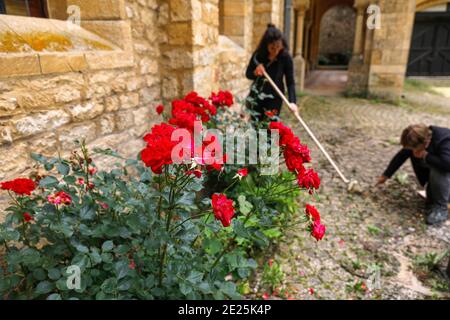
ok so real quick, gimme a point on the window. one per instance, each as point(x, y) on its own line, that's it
point(30, 8)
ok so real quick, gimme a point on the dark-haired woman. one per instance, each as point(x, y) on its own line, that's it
point(272, 55)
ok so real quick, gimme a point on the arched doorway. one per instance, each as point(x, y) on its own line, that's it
point(336, 38)
point(330, 36)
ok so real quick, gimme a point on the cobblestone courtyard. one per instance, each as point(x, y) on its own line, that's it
point(374, 228)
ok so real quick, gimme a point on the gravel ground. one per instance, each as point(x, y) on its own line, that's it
point(375, 235)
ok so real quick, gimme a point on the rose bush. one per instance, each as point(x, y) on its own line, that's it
point(152, 227)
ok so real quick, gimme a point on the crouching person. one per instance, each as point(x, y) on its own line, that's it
point(429, 151)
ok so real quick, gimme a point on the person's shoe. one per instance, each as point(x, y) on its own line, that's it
point(437, 215)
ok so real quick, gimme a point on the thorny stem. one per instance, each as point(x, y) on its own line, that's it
point(188, 219)
point(168, 221)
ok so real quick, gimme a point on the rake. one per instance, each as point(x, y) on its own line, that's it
point(351, 184)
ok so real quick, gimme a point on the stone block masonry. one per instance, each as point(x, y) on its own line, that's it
point(94, 97)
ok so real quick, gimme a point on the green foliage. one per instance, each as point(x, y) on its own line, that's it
point(132, 236)
point(136, 235)
point(431, 260)
point(273, 276)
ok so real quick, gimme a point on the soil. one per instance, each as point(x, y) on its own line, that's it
point(375, 235)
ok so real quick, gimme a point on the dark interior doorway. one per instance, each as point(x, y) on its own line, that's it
point(430, 45)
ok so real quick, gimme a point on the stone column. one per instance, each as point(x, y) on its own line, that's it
point(390, 49)
point(299, 62)
point(357, 71)
point(358, 46)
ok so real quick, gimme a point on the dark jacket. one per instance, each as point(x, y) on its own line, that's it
point(282, 67)
point(438, 153)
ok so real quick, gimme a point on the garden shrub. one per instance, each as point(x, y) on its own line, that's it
point(147, 228)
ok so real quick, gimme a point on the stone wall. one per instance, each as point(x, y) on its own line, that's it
point(109, 106)
point(266, 11)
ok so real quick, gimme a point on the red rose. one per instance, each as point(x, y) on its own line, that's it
point(158, 151)
point(295, 153)
point(311, 212)
point(92, 171)
point(243, 172)
point(132, 264)
point(223, 209)
point(222, 99)
point(60, 198)
point(160, 109)
point(270, 114)
point(19, 186)
point(80, 181)
point(197, 173)
point(308, 179)
point(27, 217)
point(286, 134)
point(190, 109)
point(318, 230)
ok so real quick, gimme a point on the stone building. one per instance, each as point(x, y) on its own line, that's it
point(100, 80)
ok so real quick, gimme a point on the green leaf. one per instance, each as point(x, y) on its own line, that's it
point(272, 233)
point(107, 257)
point(70, 179)
point(38, 157)
point(122, 249)
point(61, 284)
point(54, 296)
point(54, 274)
point(95, 257)
point(241, 230)
point(63, 168)
point(81, 248)
point(48, 182)
point(213, 246)
point(65, 229)
point(125, 285)
point(44, 287)
point(39, 274)
point(185, 288)
point(9, 235)
point(146, 176)
point(205, 288)
point(87, 212)
point(229, 288)
point(195, 277)
point(109, 285)
point(30, 257)
point(122, 269)
point(107, 246)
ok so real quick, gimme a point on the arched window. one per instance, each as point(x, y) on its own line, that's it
point(29, 8)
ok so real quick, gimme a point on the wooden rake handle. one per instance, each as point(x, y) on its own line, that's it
point(308, 130)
